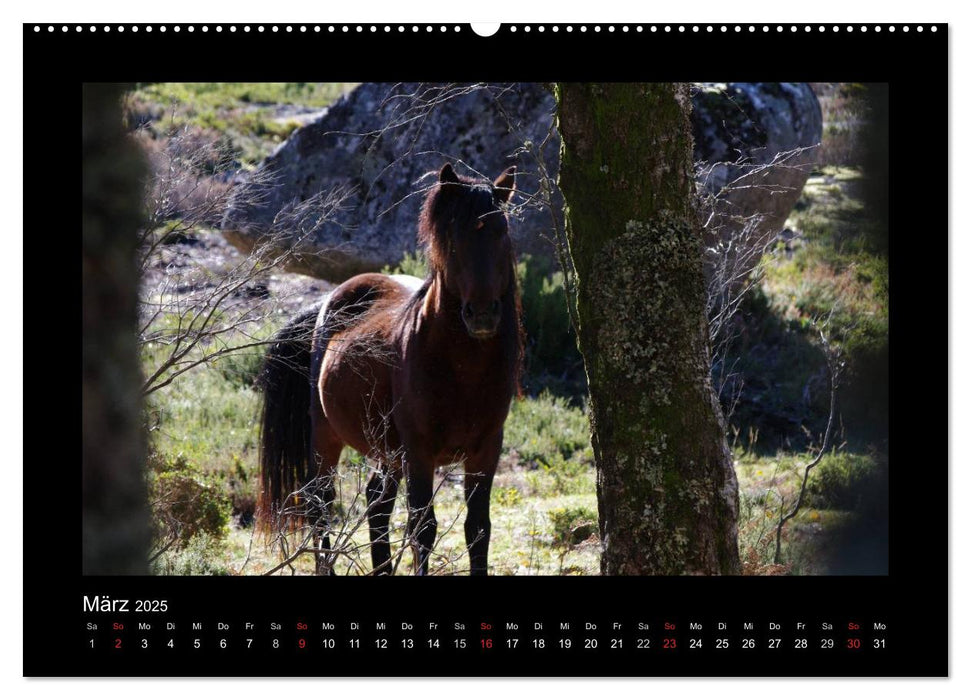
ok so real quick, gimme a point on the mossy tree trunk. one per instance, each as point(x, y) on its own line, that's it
point(115, 527)
point(666, 484)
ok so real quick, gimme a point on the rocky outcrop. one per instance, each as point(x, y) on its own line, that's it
point(756, 144)
point(380, 142)
point(383, 141)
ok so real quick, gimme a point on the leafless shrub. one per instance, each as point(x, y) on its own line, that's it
point(191, 315)
point(835, 365)
point(349, 551)
point(738, 245)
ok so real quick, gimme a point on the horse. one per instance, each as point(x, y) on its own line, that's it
point(413, 374)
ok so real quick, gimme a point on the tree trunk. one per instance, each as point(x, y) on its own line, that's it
point(666, 484)
point(115, 521)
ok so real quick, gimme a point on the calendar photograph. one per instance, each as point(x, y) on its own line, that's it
point(507, 329)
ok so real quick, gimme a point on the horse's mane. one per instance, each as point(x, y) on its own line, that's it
point(447, 203)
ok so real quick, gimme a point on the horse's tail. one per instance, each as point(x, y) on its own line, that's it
point(285, 451)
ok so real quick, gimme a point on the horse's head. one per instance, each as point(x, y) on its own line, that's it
point(467, 236)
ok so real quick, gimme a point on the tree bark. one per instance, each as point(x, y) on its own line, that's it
point(666, 484)
point(115, 520)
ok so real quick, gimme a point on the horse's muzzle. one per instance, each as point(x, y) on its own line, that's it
point(481, 323)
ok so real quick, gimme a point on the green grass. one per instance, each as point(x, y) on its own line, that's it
point(543, 504)
point(769, 487)
point(216, 96)
point(833, 276)
point(243, 114)
point(838, 267)
point(208, 419)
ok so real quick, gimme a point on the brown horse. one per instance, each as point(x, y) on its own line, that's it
point(414, 375)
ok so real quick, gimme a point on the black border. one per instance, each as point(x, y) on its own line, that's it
point(912, 600)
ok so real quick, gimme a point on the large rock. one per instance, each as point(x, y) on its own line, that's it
point(756, 144)
point(382, 140)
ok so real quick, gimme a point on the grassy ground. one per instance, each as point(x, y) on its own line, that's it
point(204, 426)
point(543, 502)
point(253, 117)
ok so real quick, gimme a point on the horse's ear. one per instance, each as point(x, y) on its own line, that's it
point(505, 184)
point(447, 175)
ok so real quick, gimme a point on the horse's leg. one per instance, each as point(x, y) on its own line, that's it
point(326, 453)
point(479, 472)
point(422, 525)
point(382, 489)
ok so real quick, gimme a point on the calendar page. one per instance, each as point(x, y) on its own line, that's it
point(553, 350)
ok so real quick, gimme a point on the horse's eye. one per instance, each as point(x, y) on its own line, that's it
point(480, 225)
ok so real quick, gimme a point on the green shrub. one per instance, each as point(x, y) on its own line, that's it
point(571, 526)
point(551, 349)
point(413, 264)
point(242, 368)
point(843, 480)
point(184, 505)
point(507, 497)
point(547, 429)
point(203, 556)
